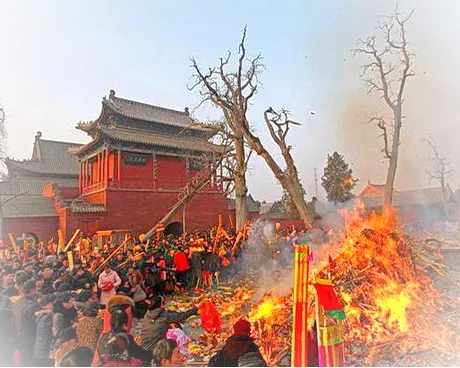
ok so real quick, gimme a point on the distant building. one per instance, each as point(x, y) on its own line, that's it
point(23, 206)
point(411, 204)
point(252, 205)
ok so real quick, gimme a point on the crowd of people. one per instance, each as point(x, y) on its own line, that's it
point(56, 314)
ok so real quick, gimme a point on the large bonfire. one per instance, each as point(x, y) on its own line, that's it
point(395, 316)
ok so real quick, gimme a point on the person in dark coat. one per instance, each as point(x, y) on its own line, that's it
point(196, 262)
point(238, 349)
point(24, 322)
point(8, 289)
point(48, 280)
point(83, 280)
point(63, 320)
point(44, 337)
point(158, 319)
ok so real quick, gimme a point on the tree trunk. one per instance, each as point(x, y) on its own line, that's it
point(391, 174)
point(241, 189)
point(444, 196)
point(291, 185)
point(295, 191)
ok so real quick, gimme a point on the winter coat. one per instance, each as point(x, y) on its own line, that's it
point(158, 321)
point(62, 326)
point(181, 262)
point(24, 321)
point(211, 262)
point(48, 287)
point(235, 348)
point(104, 277)
point(81, 281)
point(44, 335)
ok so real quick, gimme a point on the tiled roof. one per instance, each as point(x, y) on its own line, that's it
point(51, 158)
point(253, 206)
point(407, 198)
point(84, 207)
point(27, 206)
point(161, 140)
point(142, 111)
point(32, 186)
point(145, 112)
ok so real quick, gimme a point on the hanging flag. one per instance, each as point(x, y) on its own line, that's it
point(327, 298)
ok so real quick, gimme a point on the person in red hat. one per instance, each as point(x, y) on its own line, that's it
point(239, 349)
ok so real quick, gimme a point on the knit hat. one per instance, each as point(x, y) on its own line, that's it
point(242, 328)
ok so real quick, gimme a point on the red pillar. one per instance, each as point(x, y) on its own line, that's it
point(106, 166)
point(84, 174)
point(154, 173)
point(119, 169)
point(99, 167)
point(79, 178)
point(300, 307)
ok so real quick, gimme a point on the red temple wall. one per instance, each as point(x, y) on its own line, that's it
point(137, 176)
point(98, 197)
point(69, 192)
point(171, 172)
point(139, 211)
point(44, 227)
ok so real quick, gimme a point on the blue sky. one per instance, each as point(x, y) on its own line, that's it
point(59, 58)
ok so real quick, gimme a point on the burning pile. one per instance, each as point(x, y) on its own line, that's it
point(394, 313)
point(272, 321)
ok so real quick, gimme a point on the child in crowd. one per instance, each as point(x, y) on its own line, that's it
point(176, 333)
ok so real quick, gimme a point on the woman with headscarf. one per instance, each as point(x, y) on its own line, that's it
point(117, 347)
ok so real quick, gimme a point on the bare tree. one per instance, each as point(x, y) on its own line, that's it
point(278, 124)
point(441, 170)
point(386, 72)
point(225, 139)
point(231, 92)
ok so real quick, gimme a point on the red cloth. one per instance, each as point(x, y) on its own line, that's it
point(210, 318)
point(327, 297)
point(181, 262)
point(242, 328)
point(107, 286)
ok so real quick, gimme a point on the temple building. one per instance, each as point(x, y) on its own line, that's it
point(140, 160)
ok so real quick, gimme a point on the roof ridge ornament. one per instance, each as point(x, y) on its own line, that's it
point(111, 93)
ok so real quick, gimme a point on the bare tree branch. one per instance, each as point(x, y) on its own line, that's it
point(386, 71)
point(232, 92)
